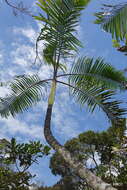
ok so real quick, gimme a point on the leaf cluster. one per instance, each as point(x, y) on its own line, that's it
point(113, 19)
point(16, 159)
point(15, 180)
point(60, 20)
point(25, 153)
point(90, 83)
point(24, 91)
point(92, 145)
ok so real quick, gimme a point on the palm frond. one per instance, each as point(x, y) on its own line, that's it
point(92, 80)
point(114, 20)
point(97, 97)
point(89, 71)
point(60, 25)
point(26, 91)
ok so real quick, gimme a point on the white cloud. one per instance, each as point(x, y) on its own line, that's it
point(23, 55)
point(28, 32)
point(65, 121)
point(1, 53)
point(15, 127)
point(45, 72)
point(4, 91)
point(1, 58)
point(24, 51)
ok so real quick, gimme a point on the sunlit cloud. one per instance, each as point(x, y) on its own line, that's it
point(13, 127)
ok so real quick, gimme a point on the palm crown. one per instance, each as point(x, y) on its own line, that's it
point(89, 79)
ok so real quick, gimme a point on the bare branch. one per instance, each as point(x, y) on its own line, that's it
point(18, 8)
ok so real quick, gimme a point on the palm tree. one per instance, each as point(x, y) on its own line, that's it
point(89, 79)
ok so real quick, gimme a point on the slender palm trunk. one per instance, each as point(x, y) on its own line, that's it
point(94, 181)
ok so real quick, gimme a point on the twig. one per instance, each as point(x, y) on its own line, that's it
point(19, 7)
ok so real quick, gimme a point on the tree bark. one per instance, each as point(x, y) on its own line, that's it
point(94, 181)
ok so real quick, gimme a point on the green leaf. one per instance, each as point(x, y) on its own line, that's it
point(89, 71)
point(99, 97)
point(90, 83)
point(61, 20)
point(26, 91)
point(114, 20)
point(46, 150)
point(116, 44)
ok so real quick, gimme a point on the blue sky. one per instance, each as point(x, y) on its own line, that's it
point(17, 53)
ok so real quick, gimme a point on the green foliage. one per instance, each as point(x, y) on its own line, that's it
point(15, 160)
point(114, 20)
point(15, 180)
point(26, 91)
point(60, 21)
point(90, 71)
point(90, 80)
point(90, 144)
point(46, 150)
point(98, 97)
point(26, 153)
point(116, 44)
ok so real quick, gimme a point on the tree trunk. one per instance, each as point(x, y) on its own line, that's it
point(94, 181)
